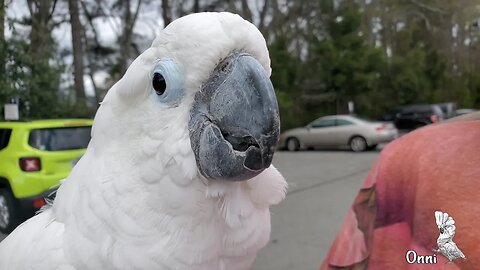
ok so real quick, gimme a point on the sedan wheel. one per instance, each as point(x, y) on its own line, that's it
point(293, 144)
point(358, 144)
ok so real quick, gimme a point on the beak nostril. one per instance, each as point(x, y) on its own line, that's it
point(224, 67)
point(240, 143)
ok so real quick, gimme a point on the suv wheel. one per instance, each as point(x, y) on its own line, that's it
point(9, 218)
point(358, 144)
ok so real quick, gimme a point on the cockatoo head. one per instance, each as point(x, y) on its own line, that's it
point(201, 90)
point(445, 223)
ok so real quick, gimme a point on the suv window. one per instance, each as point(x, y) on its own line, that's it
point(438, 111)
point(57, 139)
point(418, 109)
point(4, 137)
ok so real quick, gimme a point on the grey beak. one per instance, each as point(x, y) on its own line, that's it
point(235, 124)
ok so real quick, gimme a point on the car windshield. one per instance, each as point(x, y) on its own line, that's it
point(418, 109)
point(58, 139)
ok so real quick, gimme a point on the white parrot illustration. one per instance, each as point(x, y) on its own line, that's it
point(178, 173)
point(445, 243)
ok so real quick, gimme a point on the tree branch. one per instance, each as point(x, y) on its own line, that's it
point(30, 8)
point(429, 8)
point(246, 12)
point(132, 23)
point(263, 13)
point(115, 26)
point(53, 9)
point(90, 22)
point(424, 18)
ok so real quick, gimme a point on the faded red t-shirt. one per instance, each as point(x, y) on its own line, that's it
point(433, 168)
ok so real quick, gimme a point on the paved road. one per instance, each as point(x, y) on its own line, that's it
point(322, 187)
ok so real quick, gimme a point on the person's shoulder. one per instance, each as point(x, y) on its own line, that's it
point(429, 137)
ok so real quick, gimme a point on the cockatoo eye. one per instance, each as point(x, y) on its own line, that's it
point(159, 83)
point(168, 83)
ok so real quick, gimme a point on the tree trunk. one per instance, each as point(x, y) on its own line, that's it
point(246, 12)
point(2, 19)
point(77, 44)
point(166, 13)
point(196, 6)
point(41, 41)
point(2, 38)
point(263, 13)
point(127, 34)
point(125, 39)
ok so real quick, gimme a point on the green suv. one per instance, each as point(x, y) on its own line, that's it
point(34, 157)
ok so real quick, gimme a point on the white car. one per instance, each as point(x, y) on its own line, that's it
point(339, 130)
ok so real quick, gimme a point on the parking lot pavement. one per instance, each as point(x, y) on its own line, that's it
point(322, 187)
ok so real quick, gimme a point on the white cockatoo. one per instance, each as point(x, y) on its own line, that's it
point(178, 173)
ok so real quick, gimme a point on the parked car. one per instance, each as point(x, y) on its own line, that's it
point(464, 111)
point(339, 130)
point(448, 109)
point(34, 157)
point(415, 116)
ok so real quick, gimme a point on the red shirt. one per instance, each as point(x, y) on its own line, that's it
point(436, 168)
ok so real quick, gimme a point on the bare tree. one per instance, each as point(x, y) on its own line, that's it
point(196, 6)
point(41, 41)
point(2, 36)
point(90, 60)
point(246, 12)
point(167, 18)
point(129, 20)
point(77, 45)
point(2, 19)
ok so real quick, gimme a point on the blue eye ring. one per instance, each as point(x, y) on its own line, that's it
point(168, 82)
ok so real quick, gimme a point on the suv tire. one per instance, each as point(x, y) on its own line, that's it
point(9, 215)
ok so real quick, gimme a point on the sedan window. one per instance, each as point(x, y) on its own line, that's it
point(322, 123)
point(343, 122)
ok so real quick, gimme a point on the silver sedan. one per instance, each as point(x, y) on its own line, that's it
point(339, 130)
